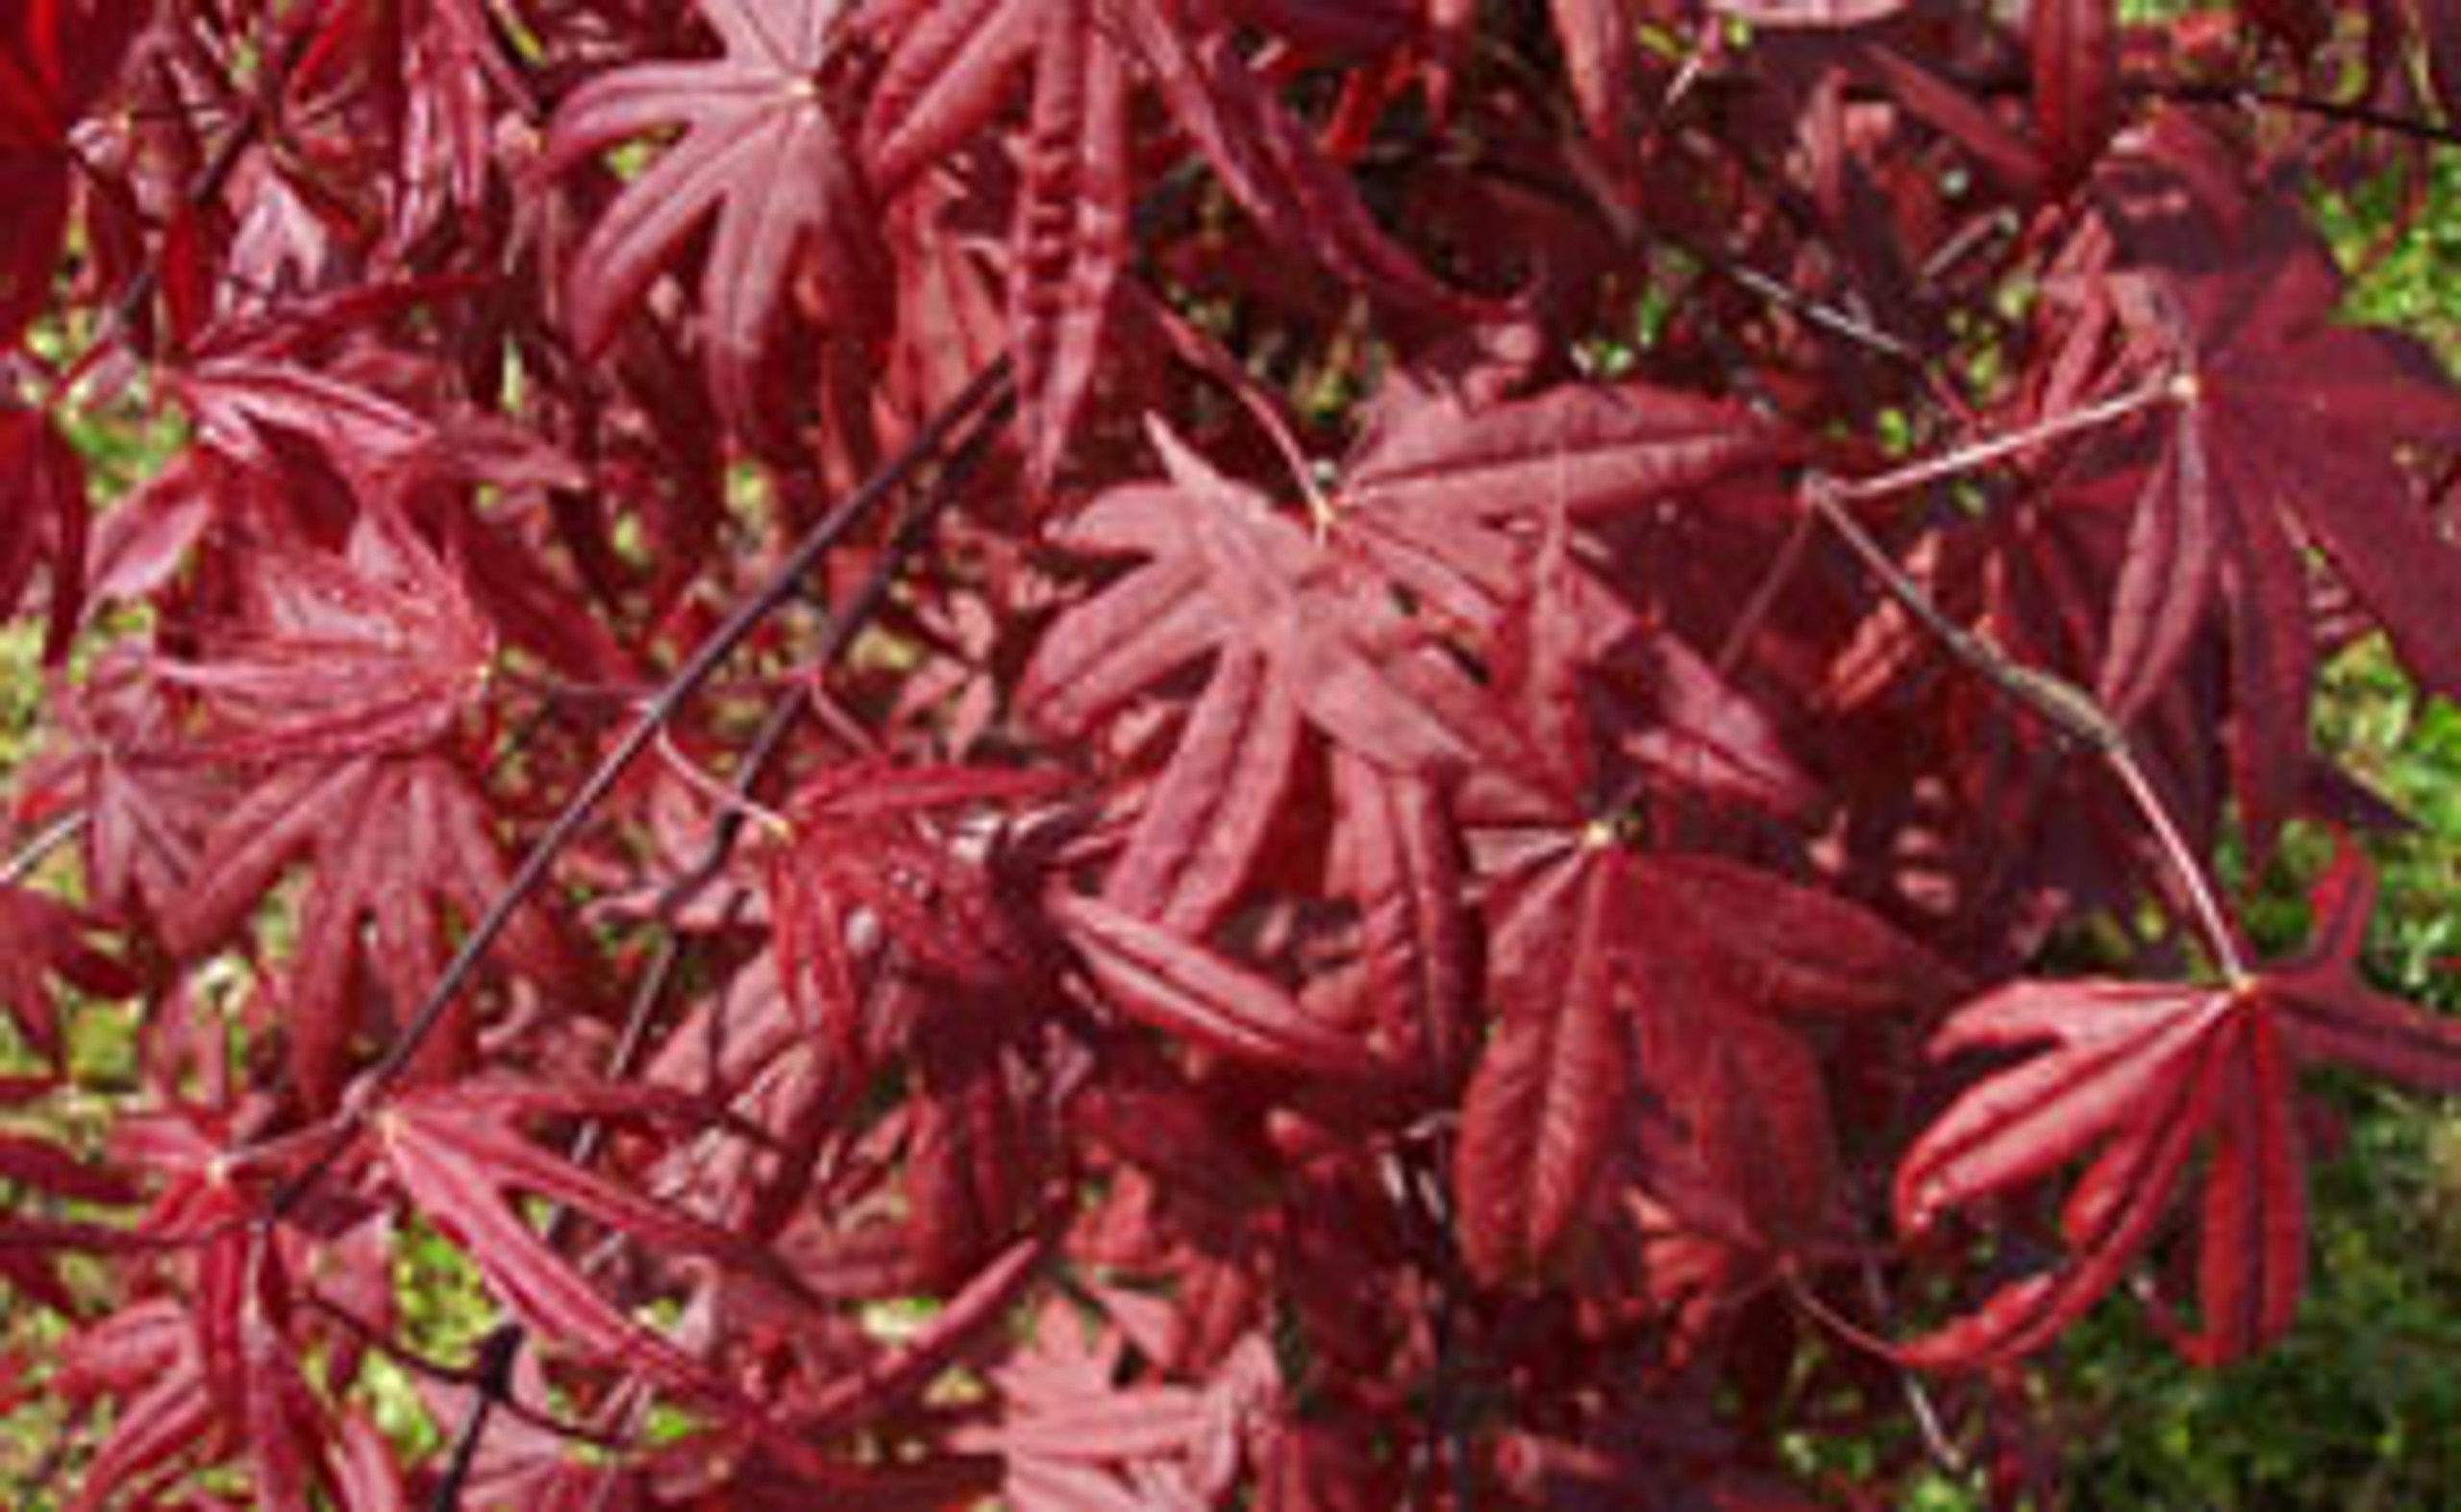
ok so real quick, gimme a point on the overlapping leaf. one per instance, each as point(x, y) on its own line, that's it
point(1675, 986)
point(56, 62)
point(1294, 637)
point(860, 845)
point(45, 523)
point(330, 656)
point(404, 854)
point(461, 1156)
point(1191, 993)
point(762, 153)
point(2294, 430)
point(1444, 495)
point(2133, 1079)
point(45, 942)
point(2075, 47)
point(1542, 1108)
point(949, 71)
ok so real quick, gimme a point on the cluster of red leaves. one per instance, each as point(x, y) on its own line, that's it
point(1339, 871)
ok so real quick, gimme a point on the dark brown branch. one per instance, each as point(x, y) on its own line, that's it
point(838, 632)
point(781, 586)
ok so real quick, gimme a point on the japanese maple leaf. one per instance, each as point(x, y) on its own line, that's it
point(217, 1375)
point(760, 152)
point(33, 1240)
point(1398, 856)
point(2133, 1078)
point(1678, 983)
point(56, 62)
point(373, 651)
point(403, 853)
point(1296, 640)
point(1547, 1098)
point(2075, 48)
point(1076, 1438)
point(859, 844)
point(1445, 495)
point(2292, 429)
point(949, 71)
point(1196, 995)
point(145, 1359)
point(145, 809)
point(459, 1155)
point(45, 522)
point(43, 941)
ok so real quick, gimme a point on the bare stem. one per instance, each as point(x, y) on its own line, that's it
point(49, 838)
point(1975, 456)
point(2061, 705)
point(738, 807)
point(992, 384)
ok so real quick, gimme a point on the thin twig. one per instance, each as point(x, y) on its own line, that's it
point(461, 1378)
point(49, 838)
point(2348, 113)
point(1975, 456)
point(781, 586)
point(740, 805)
point(2059, 703)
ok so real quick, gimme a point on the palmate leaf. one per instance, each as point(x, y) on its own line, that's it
point(2294, 431)
point(461, 1157)
point(1443, 494)
point(763, 154)
point(1678, 985)
point(1295, 636)
point(949, 72)
point(403, 853)
point(2133, 1078)
point(220, 1376)
point(1073, 1434)
point(858, 843)
point(331, 657)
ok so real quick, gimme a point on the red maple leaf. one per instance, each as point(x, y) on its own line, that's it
point(378, 650)
point(2292, 430)
point(2134, 1077)
point(949, 71)
point(56, 62)
point(763, 153)
point(43, 940)
point(459, 1155)
point(404, 855)
point(1296, 639)
point(1678, 987)
point(861, 846)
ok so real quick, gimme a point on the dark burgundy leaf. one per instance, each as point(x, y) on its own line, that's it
point(1190, 993)
point(763, 153)
point(1539, 1116)
point(375, 651)
point(2074, 46)
point(43, 942)
point(461, 1157)
point(45, 522)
